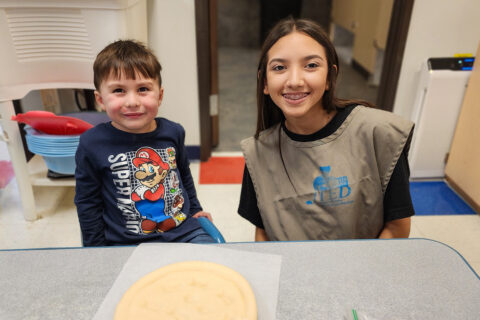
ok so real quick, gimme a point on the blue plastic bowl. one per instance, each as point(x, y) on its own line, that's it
point(63, 165)
point(39, 143)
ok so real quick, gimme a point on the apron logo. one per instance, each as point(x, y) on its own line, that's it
point(330, 191)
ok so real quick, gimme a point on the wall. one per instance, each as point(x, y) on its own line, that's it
point(345, 12)
point(369, 21)
point(171, 33)
point(317, 10)
point(437, 29)
point(238, 23)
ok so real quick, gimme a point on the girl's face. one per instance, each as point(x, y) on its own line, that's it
point(131, 104)
point(296, 77)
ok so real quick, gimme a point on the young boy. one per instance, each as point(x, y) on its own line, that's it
point(133, 181)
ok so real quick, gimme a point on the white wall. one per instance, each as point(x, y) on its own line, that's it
point(438, 28)
point(171, 36)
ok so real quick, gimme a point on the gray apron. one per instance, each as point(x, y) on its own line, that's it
point(330, 188)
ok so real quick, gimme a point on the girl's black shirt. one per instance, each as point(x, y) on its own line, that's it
point(397, 202)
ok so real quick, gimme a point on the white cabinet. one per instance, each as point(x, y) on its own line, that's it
point(437, 106)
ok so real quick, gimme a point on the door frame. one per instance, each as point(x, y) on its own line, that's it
point(396, 40)
point(203, 40)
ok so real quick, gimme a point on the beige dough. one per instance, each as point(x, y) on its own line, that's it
point(194, 290)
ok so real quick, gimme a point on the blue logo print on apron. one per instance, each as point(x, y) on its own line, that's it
point(330, 191)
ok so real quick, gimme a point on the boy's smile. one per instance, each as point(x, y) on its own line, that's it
point(131, 104)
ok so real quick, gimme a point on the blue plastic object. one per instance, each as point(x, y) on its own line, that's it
point(210, 228)
point(63, 165)
point(58, 151)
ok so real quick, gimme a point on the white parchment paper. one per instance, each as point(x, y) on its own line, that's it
point(261, 270)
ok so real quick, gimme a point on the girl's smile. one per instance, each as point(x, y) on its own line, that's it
point(295, 97)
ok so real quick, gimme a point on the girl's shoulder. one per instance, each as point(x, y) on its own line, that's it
point(270, 131)
point(381, 122)
point(266, 137)
point(265, 134)
point(378, 116)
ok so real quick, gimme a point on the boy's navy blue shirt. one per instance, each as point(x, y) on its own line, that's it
point(114, 192)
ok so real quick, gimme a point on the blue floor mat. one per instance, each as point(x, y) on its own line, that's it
point(436, 198)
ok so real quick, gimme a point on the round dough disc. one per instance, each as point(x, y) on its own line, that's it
point(189, 290)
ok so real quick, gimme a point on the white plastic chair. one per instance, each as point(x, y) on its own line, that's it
point(48, 46)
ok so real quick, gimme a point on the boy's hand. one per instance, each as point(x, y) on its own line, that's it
point(203, 214)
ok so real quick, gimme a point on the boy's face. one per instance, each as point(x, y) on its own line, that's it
point(131, 104)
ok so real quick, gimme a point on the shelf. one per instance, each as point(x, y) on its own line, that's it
point(38, 175)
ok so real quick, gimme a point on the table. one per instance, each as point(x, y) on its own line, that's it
point(385, 279)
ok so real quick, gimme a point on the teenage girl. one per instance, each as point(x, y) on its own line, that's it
point(320, 167)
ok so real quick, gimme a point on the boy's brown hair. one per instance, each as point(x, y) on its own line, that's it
point(126, 57)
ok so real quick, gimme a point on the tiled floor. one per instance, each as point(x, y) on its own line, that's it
point(61, 229)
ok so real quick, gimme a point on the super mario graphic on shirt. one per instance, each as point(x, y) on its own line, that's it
point(149, 196)
point(172, 160)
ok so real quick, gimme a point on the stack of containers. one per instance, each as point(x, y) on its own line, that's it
point(58, 151)
point(56, 138)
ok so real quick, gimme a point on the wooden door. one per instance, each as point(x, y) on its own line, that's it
point(463, 166)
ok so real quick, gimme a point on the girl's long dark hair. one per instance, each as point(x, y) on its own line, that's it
point(268, 114)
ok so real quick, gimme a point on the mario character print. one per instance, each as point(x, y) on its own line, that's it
point(172, 160)
point(149, 196)
point(177, 208)
point(174, 183)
